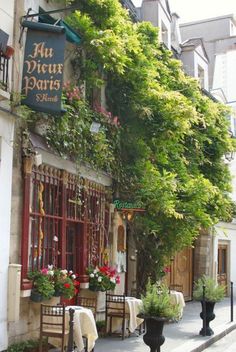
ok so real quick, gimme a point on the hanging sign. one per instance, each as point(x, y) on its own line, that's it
point(42, 77)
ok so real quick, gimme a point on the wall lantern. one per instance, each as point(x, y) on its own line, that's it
point(8, 52)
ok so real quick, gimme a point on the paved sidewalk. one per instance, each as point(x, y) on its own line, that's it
point(180, 337)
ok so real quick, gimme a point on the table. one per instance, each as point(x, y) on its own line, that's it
point(133, 306)
point(177, 297)
point(84, 325)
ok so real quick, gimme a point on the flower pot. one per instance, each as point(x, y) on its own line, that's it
point(36, 296)
point(209, 317)
point(154, 328)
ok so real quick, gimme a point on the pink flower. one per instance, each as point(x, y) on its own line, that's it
point(118, 279)
point(44, 271)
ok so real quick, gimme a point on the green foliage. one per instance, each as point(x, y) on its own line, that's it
point(71, 135)
point(42, 283)
point(157, 303)
point(169, 151)
point(213, 292)
point(25, 346)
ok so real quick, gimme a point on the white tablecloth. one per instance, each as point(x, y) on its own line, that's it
point(133, 306)
point(178, 298)
point(84, 325)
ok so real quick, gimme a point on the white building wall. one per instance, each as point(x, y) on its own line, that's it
point(6, 152)
point(226, 234)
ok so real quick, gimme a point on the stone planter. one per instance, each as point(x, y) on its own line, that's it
point(209, 317)
point(154, 328)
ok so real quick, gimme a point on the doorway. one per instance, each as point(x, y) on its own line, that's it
point(222, 260)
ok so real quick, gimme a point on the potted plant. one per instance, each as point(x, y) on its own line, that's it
point(102, 278)
point(156, 310)
point(213, 293)
point(65, 283)
point(42, 284)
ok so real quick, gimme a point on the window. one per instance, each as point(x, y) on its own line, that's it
point(164, 34)
point(65, 225)
point(201, 76)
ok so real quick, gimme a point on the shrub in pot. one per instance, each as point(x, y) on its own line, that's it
point(213, 293)
point(156, 310)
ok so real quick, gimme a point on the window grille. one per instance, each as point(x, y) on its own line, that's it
point(63, 209)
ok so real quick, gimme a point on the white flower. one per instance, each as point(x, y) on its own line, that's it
point(64, 272)
point(70, 272)
point(91, 275)
point(50, 272)
point(50, 267)
point(112, 279)
point(99, 279)
point(96, 275)
point(73, 276)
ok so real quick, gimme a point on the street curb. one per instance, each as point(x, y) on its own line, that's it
point(214, 338)
point(199, 345)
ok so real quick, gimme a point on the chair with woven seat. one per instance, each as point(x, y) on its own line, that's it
point(52, 324)
point(88, 302)
point(115, 308)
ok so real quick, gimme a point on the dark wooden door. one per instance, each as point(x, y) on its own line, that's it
point(222, 264)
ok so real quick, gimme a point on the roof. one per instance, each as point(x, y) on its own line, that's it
point(231, 16)
point(195, 42)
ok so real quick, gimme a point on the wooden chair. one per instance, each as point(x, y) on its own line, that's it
point(88, 302)
point(52, 324)
point(91, 303)
point(176, 287)
point(115, 308)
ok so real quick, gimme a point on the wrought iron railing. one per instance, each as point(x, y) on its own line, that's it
point(4, 66)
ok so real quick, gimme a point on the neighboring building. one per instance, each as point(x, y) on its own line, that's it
point(219, 37)
point(6, 154)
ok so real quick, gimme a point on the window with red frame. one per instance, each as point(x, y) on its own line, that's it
point(62, 209)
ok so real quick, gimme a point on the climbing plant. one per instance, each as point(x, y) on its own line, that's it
point(172, 137)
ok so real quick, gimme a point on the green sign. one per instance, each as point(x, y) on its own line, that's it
point(119, 204)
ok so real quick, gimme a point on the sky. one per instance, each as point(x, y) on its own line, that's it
point(192, 10)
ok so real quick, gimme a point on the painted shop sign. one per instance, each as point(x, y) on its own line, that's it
point(121, 205)
point(42, 77)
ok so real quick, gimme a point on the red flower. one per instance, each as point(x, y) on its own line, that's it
point(167, 269)
point(66, 285)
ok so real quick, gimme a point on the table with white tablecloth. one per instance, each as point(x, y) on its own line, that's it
point(177, 297)
point(132, 307)
point(84, 325)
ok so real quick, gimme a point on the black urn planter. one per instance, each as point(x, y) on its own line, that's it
point(154, 328)
point(209, 317)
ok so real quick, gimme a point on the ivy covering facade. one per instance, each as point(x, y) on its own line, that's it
point(162, 140)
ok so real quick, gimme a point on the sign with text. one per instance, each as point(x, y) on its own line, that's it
point(42, 77)
point(121, 205)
